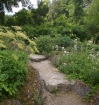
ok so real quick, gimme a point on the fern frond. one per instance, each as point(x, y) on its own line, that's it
point(21, 35)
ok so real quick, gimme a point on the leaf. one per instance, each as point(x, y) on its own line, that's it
point(3, 77)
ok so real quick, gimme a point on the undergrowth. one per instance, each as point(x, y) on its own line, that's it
point(82, 63)
point(13, 72)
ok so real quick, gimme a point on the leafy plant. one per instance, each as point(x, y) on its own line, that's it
point(14, 38)
point(65, 41)
point(82, 64)
point(44, 43)
point(13, 72)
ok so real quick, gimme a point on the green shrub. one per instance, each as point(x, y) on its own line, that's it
point(13, 72)
point(31, 31)
point(65, 41)
point(45, 29)
point(44, 44)
point(81, 32)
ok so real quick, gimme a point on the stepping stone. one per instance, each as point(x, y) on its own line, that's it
point(53, 79)
point(37, 58)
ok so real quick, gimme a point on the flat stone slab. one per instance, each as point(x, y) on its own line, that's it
point(53, 79)
point(37, 58)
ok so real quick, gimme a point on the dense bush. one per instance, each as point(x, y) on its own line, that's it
point(36, 31)
point(44, 44)
point(51, 43)
point(45, 29)
point(65, 41)
point(81, 32)
point(13, 72)
point(31, 31)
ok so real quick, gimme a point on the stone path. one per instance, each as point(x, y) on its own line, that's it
point(56, 88)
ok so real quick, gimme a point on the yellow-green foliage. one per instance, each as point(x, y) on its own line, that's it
point(15, 39)
point(17, 28)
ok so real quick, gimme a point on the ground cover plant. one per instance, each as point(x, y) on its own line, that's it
point(81, 63)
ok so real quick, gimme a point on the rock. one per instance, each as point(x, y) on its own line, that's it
point(37, 58)
point(81, 88)
point(53, 79)
point(16, 102)
point(53, 58)
point(66, 87)
point(51, 88)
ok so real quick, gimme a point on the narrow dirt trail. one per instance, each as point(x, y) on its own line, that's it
point(56, 88)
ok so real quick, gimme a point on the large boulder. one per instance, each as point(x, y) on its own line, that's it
point(81, 88)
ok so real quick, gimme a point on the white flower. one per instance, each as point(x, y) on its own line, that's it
point(75, 41)
point(56, 46)
point(65, 52)
point(75, 47)
point(62, 48)
point(64, 64)
point(97, 53)
point(92, 56)
point(90, 42)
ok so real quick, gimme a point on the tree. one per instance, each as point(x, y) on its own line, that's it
point(10, 20)
point(39, 13)
point(8, 5)
point(23, 17)
point(92, 19)
point(78, 10)
point(58, 7)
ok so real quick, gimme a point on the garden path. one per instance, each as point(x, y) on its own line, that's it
point(56, 88)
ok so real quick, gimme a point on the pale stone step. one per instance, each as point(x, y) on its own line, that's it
point(53, 79)
point(37, 58)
